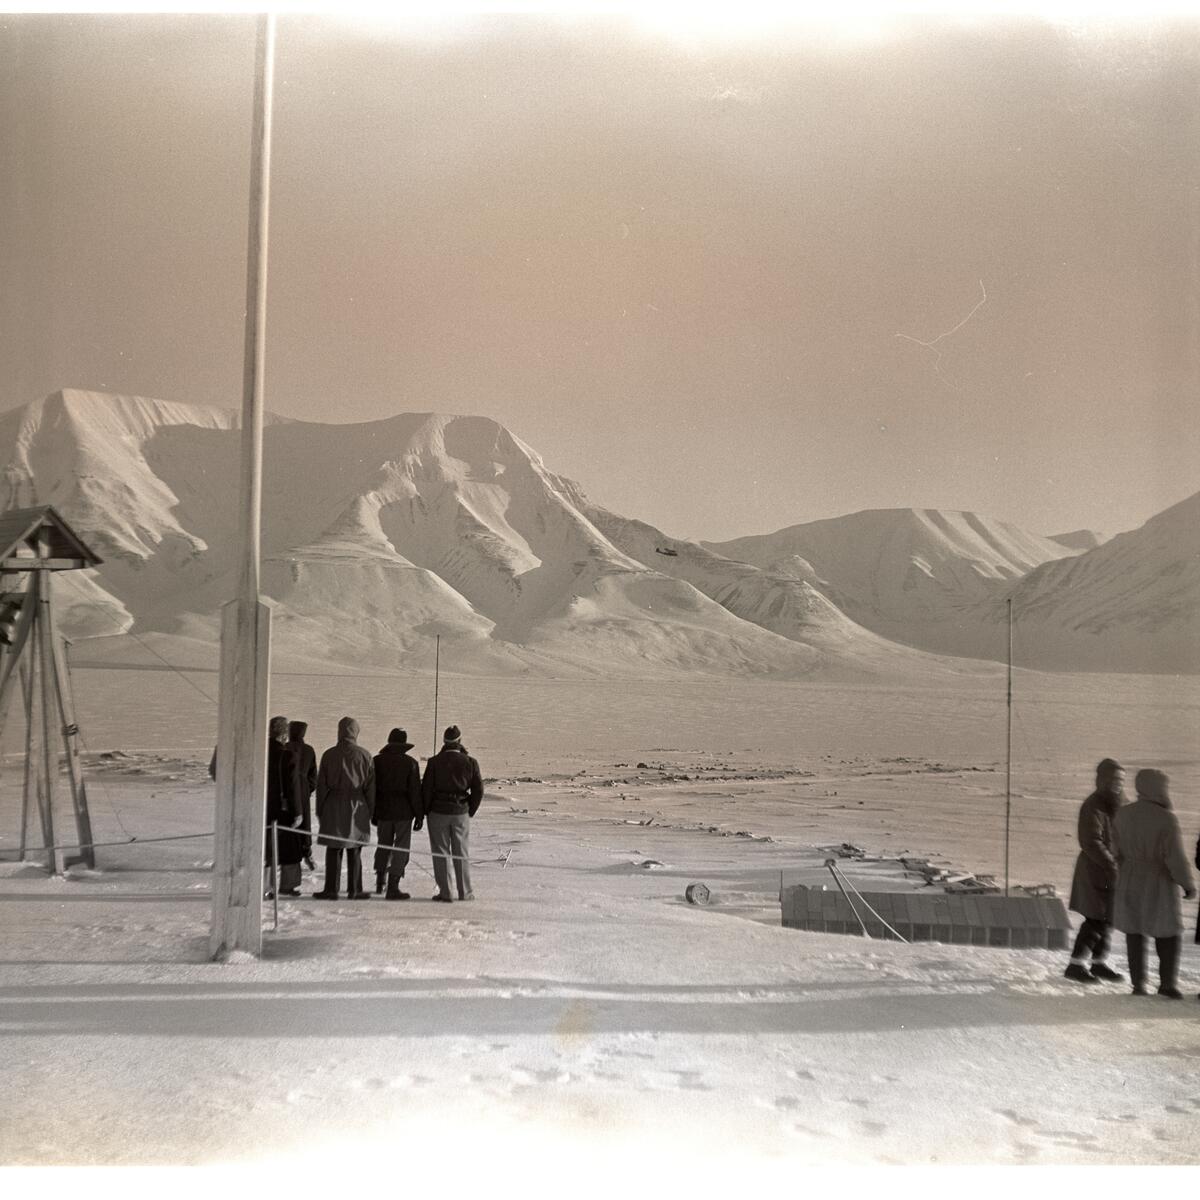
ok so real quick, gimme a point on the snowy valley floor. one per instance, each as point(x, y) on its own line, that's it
point(579, 1011)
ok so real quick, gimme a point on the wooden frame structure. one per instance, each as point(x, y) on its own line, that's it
point(34, 544)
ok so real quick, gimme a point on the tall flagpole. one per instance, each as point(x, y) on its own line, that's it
point(1008, 754)
point(246, 620)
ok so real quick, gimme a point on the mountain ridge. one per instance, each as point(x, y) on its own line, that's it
point(379, 537)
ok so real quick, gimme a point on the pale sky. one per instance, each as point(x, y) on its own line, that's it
point(693, 272)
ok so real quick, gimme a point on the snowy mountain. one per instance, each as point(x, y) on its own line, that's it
point(379, 536)
point(939, 581)
point(1130, 604)
point(916, 576)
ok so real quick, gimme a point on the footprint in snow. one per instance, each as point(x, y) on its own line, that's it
point(1016, 1118)
point(529, 1076)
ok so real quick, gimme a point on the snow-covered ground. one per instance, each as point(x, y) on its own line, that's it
point(580, 1020)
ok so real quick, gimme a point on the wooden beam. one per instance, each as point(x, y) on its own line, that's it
point(44, 564)
point(27, 697)
point(237, 887)
point(70, 735)
point(49, 760)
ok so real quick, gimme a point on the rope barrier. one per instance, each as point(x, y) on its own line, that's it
point(835, 870)
point(183, 837)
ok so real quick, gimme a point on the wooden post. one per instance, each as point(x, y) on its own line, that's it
point(49, 759)
point(246, 620)
point(70, 734)
point(26, 792)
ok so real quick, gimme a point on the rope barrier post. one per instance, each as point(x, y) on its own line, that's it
point(275, 871)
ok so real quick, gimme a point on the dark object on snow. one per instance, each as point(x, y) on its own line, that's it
point(697, 893)
point(1018, 921)
point(667, 551)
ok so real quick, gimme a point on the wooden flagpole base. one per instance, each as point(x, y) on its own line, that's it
point(241, 797)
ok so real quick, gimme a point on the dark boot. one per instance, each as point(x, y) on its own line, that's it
point(380, 876)
point(1168, 966)
point(1135, 950)
point(1078, 973)
point(333, 874)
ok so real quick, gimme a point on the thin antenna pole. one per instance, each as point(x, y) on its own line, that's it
point(437, 665)
point(1008, 752)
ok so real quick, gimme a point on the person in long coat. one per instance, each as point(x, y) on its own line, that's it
point(451, 792)
point(1152, 870)
point(285, 809)
point(397, 811)
point(345, 804)
point(1096, 877)
point(306, 765)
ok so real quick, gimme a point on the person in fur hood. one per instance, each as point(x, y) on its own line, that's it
point(1095, 878)
point(345, 805)
point(1152, 871)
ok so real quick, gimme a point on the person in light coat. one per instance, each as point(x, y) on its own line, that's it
point(345, 805)
point(1152, 872)
point(1095, 878)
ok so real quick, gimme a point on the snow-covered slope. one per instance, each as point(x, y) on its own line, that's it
point(379, 536)
point(1081, 539)
point(1131, 604)
point(912, 575)
point(783, 598)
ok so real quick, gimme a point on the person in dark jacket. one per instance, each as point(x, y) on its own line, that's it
point(1096, 877)
point(1152, 870)
point(397, 810)
point(345, 804)
point(285, 809)
point(451, 793)
point(306, 765)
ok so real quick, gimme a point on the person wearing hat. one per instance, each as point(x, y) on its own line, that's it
point(284, 808)
point(306, 765)
point(345, 804)
point(451, 793)
point(1152, 871)
point(1095, 878)
point(397, 810)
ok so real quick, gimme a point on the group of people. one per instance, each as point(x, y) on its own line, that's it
point(1130, 874)
point(355, 790)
